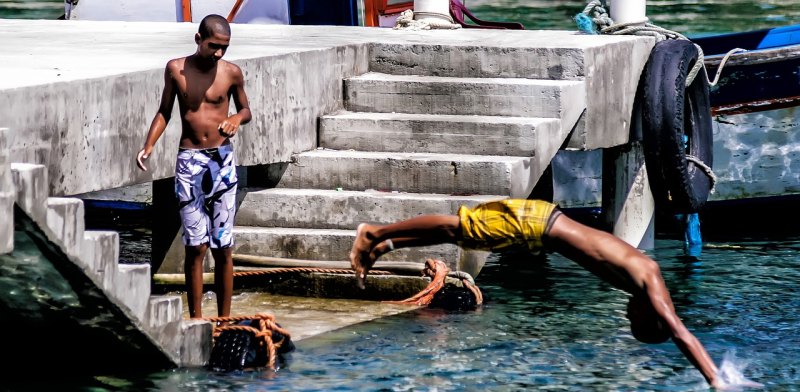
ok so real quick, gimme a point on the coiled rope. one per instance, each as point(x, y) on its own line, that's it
point(264, 332)
point(594, 19)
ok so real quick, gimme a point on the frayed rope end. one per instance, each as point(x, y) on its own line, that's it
point(585, 24)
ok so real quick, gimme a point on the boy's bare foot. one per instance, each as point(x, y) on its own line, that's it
point(380, 250)
point(360, 260)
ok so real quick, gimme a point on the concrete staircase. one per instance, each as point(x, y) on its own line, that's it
point(413, 140)
point(185, 342)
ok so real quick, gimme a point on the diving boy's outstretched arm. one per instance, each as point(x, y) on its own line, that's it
point(628, 269)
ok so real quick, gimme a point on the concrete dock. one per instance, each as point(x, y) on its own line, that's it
point(349, 124)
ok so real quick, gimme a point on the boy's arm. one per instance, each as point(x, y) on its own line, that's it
point(161, 118)
point(685, 340)
point(230, 126)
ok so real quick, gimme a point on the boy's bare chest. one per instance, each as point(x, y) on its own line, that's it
point(203, 90)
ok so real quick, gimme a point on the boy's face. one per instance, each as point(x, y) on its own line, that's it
point(213, 47)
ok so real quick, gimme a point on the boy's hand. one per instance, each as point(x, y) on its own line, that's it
point(230, 126)
point(142, 156)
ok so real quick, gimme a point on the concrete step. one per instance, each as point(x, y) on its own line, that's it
point(330, 209)
point(454, 134)
point(163, 310)
point(132, 287)
point(558, 55)
point(516, 97)
point(31, 184)
point(7, 199)
point(100, 256)
point(7, 195)
point(195, 342)
point(65, 217)
point(329, 244)
point(411, 172)
point(163, 320)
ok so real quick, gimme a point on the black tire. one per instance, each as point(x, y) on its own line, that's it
point(671, 110)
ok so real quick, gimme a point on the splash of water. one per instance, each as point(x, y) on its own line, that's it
point(730, 373)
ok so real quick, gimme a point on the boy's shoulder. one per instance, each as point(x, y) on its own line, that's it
point(176, 62)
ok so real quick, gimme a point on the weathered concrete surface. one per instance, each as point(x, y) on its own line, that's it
point(453, 134)
point(412, 172)
point(89, 113)
point(78, 274)
point(628, 204)
point(65, 217)
point(330, 209)
point(518, 97)
point(7, 196)
point(325, 244)
point(611, 71)
point(306, 317)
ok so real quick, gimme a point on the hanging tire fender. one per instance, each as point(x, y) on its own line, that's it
point(676, 122)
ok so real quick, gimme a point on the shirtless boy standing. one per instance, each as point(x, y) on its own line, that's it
point(205, 172)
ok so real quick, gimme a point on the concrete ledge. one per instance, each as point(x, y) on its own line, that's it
point(132, 287)
point(100, 254)
point(479, 61)
point(329, 209)
point(30, 181)
point(400, 132)
point(163, 320)
point(66, 219)
point(196, 343)
point(414, 173)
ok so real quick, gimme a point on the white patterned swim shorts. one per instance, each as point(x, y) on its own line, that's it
point(205, 185)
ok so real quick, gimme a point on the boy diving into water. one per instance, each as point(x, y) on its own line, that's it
point(205, 172)
point(538, 225)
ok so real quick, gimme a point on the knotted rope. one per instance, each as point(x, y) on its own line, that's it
point(278, 271)
point(406, 21)
point(594, 19)
point(437, 270)
point(266, 327)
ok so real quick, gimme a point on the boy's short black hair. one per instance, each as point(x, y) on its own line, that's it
point(214, 24)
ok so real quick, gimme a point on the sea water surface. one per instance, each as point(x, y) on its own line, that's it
point(547, 324)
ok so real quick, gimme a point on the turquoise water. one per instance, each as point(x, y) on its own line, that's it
point(547, 324)
point(686, 16)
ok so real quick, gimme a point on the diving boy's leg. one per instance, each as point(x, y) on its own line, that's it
point(193, 271)
point(223, 279)
point(418, 231)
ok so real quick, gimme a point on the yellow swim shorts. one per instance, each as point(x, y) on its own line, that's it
point(505, 224)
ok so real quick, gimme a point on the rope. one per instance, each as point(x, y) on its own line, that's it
point(707, 170)
point(437, 270)
point(267, 326)
point(277, 271)
point(406, 21)
point(595, 16)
